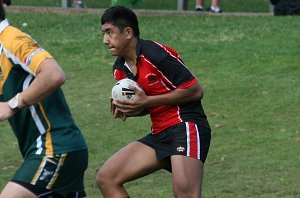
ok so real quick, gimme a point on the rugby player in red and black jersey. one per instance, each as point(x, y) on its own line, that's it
point(180, 135)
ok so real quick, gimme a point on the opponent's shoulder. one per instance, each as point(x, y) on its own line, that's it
point(15, 38)
point(14, 34)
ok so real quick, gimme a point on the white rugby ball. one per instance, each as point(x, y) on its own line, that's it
point(121, 90)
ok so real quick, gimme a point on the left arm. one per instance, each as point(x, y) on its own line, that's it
point(176, 97)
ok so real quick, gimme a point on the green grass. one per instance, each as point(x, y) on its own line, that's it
point(248, 67)
point(227, 5)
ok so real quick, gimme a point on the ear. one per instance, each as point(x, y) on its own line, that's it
point(129, 32)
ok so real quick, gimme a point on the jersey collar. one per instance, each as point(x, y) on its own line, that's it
point(139, 47)
point(3, 25)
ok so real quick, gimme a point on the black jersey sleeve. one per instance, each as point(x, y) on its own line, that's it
point(168, 62)
point(175, 71)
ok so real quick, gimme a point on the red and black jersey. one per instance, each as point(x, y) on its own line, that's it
point(160, 71)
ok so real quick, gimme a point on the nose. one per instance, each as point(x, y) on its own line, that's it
point(105, 39)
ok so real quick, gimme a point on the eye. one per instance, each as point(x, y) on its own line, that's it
point(109, 33)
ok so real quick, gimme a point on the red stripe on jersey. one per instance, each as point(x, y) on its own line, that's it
point(172, 52)
point(193, 140)
point(188, 84)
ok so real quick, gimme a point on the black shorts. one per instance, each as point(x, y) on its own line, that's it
point(187, 138)
point(56, 176)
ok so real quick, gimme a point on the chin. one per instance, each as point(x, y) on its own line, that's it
point(114, 54)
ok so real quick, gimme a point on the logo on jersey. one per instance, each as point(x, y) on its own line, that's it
point(180, 149)
point(46, 175)
point(28, 60)
point(152, 79)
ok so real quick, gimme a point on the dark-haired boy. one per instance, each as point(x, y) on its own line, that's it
point(180, 135)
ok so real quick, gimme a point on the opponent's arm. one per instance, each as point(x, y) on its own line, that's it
point(49, 77)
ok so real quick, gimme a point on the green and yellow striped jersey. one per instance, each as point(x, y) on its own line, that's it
point(45, 128)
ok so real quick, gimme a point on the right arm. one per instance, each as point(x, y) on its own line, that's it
point(49, 77)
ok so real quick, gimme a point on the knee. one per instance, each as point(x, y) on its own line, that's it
point(179, 189)
point(102, 177)
point(186, 189)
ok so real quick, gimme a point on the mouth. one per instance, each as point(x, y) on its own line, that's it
point(111, 49)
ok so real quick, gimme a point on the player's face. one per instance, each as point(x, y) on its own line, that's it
point(115, 40)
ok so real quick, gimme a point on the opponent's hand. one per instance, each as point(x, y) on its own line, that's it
point(5, 111)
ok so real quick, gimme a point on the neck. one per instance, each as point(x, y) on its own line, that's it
point(130, 54)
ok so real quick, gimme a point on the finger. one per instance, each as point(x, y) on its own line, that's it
point(135, 89)
point(123, 117)
point(123, 104)
point(113, 108)
point(119, 114)
point(111, 105)
point(116, 113)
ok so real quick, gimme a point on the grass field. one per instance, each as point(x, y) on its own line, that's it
point(248, 67)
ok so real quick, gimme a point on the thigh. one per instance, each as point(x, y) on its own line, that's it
point(13, 190)
point(187, 174)
point(131, 162)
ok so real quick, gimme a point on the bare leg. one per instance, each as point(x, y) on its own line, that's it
point(215, 6)
point(215, 3)
point(13, 190)
point(199, 2)
point(126, 165)
point(187, 174)
point(199, 5)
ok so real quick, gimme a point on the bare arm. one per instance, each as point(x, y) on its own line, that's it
point(178, 96)
point(49, 77)
point(142, 101)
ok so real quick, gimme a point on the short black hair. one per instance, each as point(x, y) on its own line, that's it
point(121, 17)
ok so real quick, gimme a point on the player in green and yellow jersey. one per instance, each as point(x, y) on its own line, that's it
point(54, 150)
